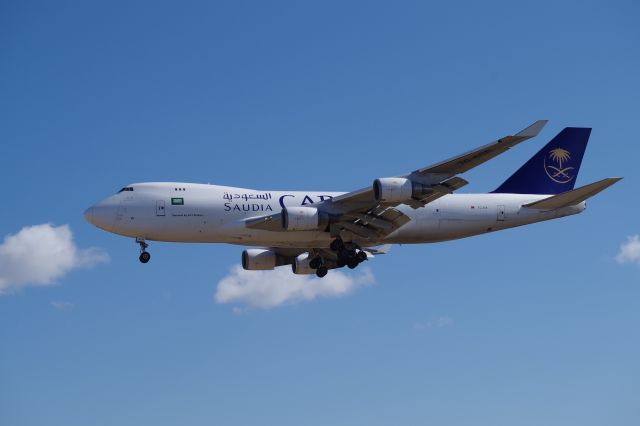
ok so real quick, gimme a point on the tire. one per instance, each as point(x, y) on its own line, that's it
point(336, 245)
point(315, 263)
point(352, 263)
point(321, 271)
point(144, 257)
point(362, 256)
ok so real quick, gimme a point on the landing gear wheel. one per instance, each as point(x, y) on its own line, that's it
point(352, 263)
point(347, 254)
point(144, 254)
point(362, 256)
point(321, 271)
point(336, 244)
point(315, 262)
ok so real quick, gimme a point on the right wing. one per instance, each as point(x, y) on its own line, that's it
point(440, 176)
point(368, 219)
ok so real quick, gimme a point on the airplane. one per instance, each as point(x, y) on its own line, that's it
point(315, 232)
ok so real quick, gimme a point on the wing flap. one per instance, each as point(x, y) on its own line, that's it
point(574, 196)
point(439, 190)
point(375, 224)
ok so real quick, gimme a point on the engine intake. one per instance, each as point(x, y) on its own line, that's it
point(301, 266)
point(392, 190)
point(303, 219)
point(258, 259)
point(398, 190)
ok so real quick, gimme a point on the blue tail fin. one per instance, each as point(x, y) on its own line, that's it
point(554, 168)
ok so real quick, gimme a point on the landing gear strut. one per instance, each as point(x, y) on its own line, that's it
point(347, 254)
point(144, 254)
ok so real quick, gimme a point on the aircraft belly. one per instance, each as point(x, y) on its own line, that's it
point(295, 239)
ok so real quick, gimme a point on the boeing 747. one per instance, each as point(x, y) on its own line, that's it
point(318, 231)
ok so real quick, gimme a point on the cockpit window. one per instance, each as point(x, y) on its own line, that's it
point(126, 188)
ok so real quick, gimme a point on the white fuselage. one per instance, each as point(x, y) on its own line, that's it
point(187, 212)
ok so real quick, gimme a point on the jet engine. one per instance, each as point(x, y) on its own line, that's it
point(398, 190)
point(301, 266)
point(392, 190)
point(303, 219)
point(258, 259)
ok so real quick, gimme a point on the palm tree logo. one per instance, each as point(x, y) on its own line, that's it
point(556, 171)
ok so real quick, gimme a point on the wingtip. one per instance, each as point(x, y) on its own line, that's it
point(607, 182)
point(533, 129)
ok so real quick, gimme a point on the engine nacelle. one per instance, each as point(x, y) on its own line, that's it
point(301, 266)
point(258, 259)
point(392, 190)
point(303, 219)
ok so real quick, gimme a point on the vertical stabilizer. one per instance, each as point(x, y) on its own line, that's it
point(554, 169)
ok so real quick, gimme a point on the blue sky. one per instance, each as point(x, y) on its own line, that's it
point(537, 325)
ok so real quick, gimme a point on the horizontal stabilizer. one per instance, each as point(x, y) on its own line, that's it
point(573, 197)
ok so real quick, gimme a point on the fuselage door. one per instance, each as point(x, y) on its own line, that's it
point(501, 213)
point(160, 208)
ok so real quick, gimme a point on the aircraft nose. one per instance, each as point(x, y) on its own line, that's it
point(88, 215)
point(102, 214)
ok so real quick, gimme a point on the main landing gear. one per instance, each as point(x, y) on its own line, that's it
point(349, 254)
point(145, 256)
point(317, 263)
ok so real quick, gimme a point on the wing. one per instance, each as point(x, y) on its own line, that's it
point(368, 225)
point(363, 216)
point(439, 176)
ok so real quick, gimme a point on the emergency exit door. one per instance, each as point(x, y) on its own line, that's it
point(501, 213)
point(160, 208)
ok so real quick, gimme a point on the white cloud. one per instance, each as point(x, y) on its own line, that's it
point(41, 254)
point(62, 305)
point(629, 251)
point(439, 322)
point(268, 289)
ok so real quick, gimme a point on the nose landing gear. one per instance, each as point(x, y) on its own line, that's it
point(145, 256)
